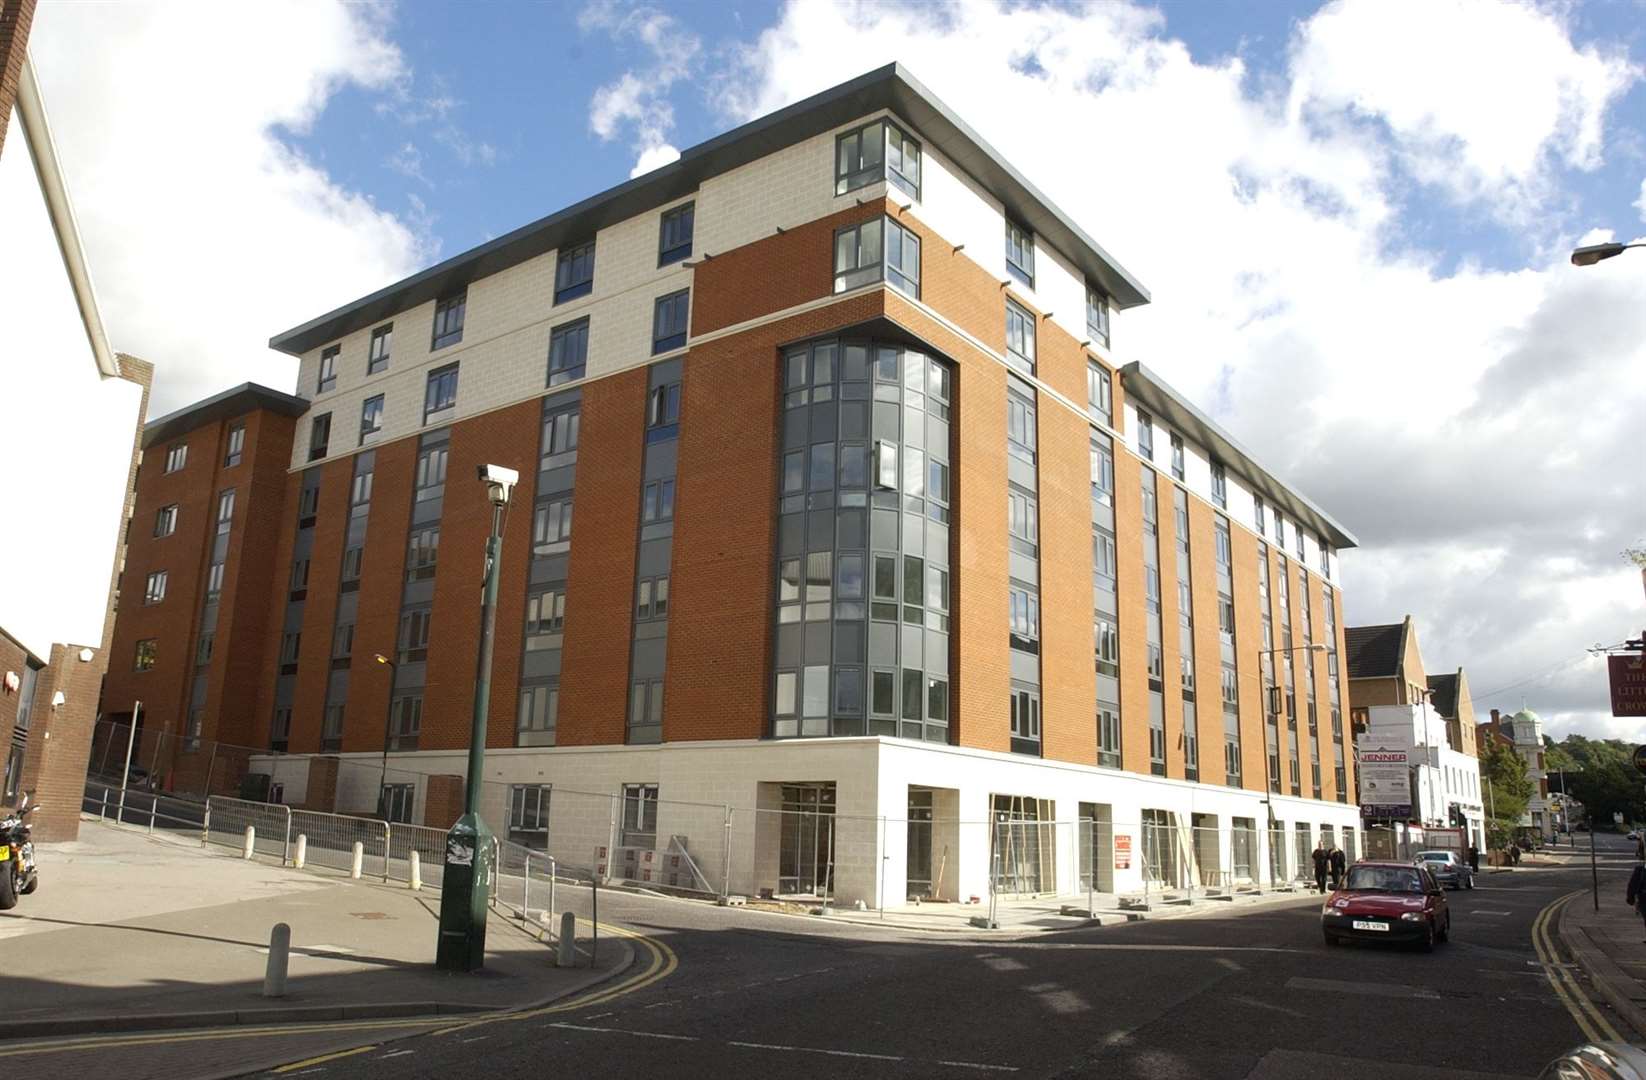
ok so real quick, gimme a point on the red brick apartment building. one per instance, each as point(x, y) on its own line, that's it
point(869, 523)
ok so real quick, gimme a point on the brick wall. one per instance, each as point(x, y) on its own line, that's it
point(1067, 669)
point(1254, 755)
point(1208, 652)
point(16, 17)
point(443, 800)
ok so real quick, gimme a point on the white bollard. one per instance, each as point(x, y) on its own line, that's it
point(274, 976)
point(302, 851)
point(357, 860)
point(251, 842)
point(568, 941)
point(416, 871)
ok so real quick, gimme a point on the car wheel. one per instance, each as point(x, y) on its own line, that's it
point(1428, 942)
point(1446, 928)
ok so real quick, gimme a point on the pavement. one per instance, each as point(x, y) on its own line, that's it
point(131, 932)
point(1606, 936)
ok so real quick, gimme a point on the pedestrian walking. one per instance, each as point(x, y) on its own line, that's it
point(1474, 859)
point(1323, 860)
point(1339, 863)
point(1636, 895)
point(1514, 853)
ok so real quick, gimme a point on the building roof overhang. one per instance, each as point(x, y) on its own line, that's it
point(1143, 385)
point(890, 87)
point(236, 401)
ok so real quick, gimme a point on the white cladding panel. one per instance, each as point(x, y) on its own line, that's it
point(68, 435)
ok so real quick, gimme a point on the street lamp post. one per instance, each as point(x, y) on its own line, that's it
point(388, 733)
point(1593, 253)
point(466, 882)
point(1274, 703)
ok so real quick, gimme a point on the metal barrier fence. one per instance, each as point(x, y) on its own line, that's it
point(226, 821)
point(142, 808)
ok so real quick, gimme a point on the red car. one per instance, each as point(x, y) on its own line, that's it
point(1387, 901)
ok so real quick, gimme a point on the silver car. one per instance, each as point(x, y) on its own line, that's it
point(1448, 869)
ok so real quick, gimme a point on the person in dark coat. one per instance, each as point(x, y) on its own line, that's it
point(1339, 864)
point(1323, 860)
point(1474, 858)
point(1514, 854)
point(1636, 895)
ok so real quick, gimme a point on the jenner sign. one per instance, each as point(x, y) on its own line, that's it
point(1628, 684)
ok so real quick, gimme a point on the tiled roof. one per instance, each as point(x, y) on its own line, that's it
point(1374, 651)
point(1443, 693)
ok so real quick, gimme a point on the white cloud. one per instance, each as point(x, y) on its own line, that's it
point(205, 231)
point(639, 101)
point(654, 157)
point(1471, 425)
point(1640, 203)
point(1482, 97)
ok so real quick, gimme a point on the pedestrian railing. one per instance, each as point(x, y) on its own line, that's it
point(226, 821)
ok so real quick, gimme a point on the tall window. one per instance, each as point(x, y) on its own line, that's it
point(423, 553)
point(669, 321)
point(560, 431)
point(1177, 456)
point(147, 650)
point(328, 368)
point(1102, 461)
point(1325, 554)
point(529, 814)
point(1260, 515)
point(1107, 647)
point(225, 510)
point(674, 234)
point(545, 617)
point(440, 394)
point(657, 501)
point(1099, 392)
point(1225, 556)
point(319, 436)
point(431, 473)
point(1108, 736)
point(639, 816)
point(1022, 521)
point(1025, 619)
point(1097, 315)
point(1220, 485)
point(177, 455)
point(1025, 714)
point(414, 635)
point(539, 710)
point(371, 417)
point(874, 250)
point(448, 321)
point(165, 520)
point(574, 272)
point(568, 352)
point(646, 711)
point(1020, 253)
point(663, 412)
point(1020, 336)
point(1020, 425)
point(377, 353)
point(236, 446)
point(1145, 436)
point(155, 589)
point(877, 151)
point(651, 600)
point(552, 527)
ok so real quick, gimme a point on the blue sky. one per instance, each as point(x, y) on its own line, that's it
point(1353, 217)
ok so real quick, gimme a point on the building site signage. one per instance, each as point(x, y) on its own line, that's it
point(1385, 784)
point(1628, 671)
point(1122, 851)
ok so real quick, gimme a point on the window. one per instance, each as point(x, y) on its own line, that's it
point(448, 321)
point(539, 709)
point(236, 446)
point(342, 641)
point(147, 650)
point(431, 473)
point(646, 711)
point(669, 321)
point(308, 504)
point(1225, 619)
point(203, 648)
point(397, 800)
point(165, 520)
point(663, 413)
point(1025, 714)
point(1020, 336)
point(875, 250)
point(1104, 558)
point(1220, 485)
point(360, 493)
point(574, 272)
point(552, 527)
point(280, 729)
point(1108, 648)
point(440, 395)
point(876, 151)
point(884, 582)
point(1108, 736)
point(674, 234)
point(529, 812)
point(290, 643)
point(1099, 392)
point(1097, 315)
point(1025, 619)
point(885, 472)
point(328, 368)
point(1225, 555)
point(1298, 531)
point(545, 615)
point(1020, 253)
point(191, 730)
point(1151, 507)
point(568, 352)
point(422, 553)
point(371, 418)
point(1151, 589)
point(319, 436)
point(214, 579)
point(1156, 668)
point(155, 590)
point(1022, 521)
point(1020, 425)
point(657, 501)
point(1325, 554)
point(902, 259)
point(1102, 462)
point(414, 635)
point(1260, 515)
point(652, 599)
point(377, 353)
point(331, 732)
point(177, 455)
point(1177, 457)
point(560, 431)
point(225, 510)
point(639, 816)
point(1145, 436)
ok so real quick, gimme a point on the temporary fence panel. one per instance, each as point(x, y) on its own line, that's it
point(226, 821)
point(430, 845)
point(331, 840)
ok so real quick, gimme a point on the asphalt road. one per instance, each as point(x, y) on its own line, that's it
point(1256, 994)
point(1252, 993)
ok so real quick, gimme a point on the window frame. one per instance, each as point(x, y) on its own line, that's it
point(447, 327)
point(1099, 329)
point(1024, 318)
point(436, 379)
point(145, 654)
point(679, 301)
point(154, 586)
point(681, 249)
point(319, 436)
point(565, 338)
point(236, 442)
point(568, 259)
point(177, 457)
point(166, 516)
point(326, 380)
point(372, 416)
point(1020, 252)
point(379, 348)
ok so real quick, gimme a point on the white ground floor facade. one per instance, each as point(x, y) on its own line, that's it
point(856, 820)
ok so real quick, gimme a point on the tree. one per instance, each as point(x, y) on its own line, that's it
point(1510, 790)
point(1608, 782)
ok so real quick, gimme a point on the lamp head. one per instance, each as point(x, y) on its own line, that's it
point(1593, 253)
point(381, 659)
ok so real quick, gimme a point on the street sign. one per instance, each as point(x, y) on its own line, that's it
point(1122, 851)
point(1385, 784)
point(1628, 671)
point(1640, 758)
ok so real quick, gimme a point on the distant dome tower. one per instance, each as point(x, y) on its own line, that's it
point(1527, 727)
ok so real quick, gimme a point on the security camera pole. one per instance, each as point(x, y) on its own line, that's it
point(465, 889)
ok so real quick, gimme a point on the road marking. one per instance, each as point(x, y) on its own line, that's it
point(1589, 1020)
point(783, 1048)
point(1483, 911)
point(396, 1053)
point(308, 1062)
point(626, 1031)
point(1392, 990)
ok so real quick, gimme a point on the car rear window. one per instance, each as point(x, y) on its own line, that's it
point(1384, 879)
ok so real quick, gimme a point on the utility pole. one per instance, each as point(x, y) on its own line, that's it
point(466, 886)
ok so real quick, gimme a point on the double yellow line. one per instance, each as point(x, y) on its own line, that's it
point(662, 962)
point(1595, 1026)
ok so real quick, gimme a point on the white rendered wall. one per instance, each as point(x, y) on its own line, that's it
point(66, 435)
